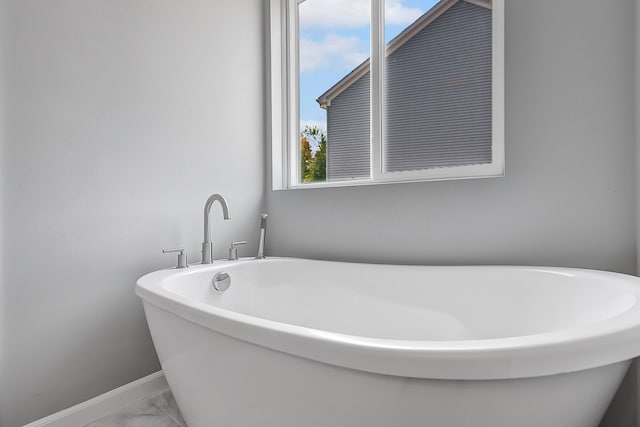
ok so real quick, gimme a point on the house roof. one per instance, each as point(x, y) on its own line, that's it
point(442, 6)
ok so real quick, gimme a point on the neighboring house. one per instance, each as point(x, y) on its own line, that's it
point(438, 97)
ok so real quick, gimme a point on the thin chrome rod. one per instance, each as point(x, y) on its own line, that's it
point(263, 235)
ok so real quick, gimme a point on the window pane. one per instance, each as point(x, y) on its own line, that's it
point(437, 101)
point(334, 89)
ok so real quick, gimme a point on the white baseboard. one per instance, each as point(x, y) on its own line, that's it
point(86, 412)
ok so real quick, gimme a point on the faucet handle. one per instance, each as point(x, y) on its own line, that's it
point(233, 250)
point(182, 256)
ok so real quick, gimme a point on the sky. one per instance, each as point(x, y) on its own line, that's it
point(335, 38)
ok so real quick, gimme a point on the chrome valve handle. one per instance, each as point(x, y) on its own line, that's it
point(233, 250)
point(182, 256)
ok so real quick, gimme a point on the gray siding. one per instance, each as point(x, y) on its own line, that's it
point(438, 101)
point(349, 133)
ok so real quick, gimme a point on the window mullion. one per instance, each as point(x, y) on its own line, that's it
point(377, 85)
point(293, 117)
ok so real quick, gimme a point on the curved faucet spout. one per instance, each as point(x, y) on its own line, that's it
point(207, 245)
point(207, 211)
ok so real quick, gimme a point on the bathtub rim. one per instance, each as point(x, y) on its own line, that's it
point(561, 351)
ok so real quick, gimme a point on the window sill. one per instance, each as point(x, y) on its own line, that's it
point(371, 181)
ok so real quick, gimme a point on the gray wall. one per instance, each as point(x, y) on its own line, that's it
point(568, 197)
point(124, 116)
point(637, 120)
point(2, 157)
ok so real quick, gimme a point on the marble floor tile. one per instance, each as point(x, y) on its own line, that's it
point(141, 414)
point(167, 403)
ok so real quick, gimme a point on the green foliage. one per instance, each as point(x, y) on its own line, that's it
point(313, 163)
point(306, 160)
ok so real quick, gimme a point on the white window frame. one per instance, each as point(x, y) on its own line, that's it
point(283, 111)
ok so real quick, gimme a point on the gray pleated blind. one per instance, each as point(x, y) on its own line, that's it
point(349, 133)
point(438, 96)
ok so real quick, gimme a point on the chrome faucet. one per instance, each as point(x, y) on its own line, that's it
point(207, 245)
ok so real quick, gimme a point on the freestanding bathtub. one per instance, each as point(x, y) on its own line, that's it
point(302, 343)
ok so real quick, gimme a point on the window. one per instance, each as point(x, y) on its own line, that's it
point(379, 91)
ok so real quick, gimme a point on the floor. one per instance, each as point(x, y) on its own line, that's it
point(160, 410)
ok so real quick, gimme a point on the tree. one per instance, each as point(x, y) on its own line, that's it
point(313, 161)
point(306, 160)
point(320, 170)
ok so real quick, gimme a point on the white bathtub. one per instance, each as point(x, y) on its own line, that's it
point(301, 343)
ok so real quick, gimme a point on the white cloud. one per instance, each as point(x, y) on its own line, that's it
point(397, 14)
point(332, 51)
point(352, 13)
point(335, 13)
